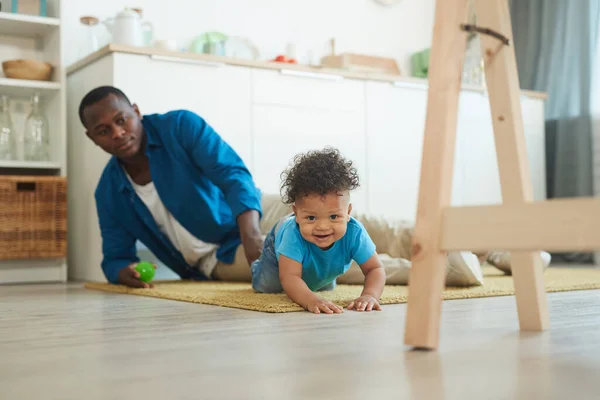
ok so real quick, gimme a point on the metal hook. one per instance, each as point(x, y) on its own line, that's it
point(485, 31)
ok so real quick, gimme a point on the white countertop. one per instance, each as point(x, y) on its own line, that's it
point(148, 51)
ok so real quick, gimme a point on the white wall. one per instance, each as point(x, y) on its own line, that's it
point(361, 26)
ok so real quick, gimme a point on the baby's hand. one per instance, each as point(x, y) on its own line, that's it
point(320, 305)
point(364, 303)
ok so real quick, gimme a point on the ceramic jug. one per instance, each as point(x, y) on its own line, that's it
point(127, 28)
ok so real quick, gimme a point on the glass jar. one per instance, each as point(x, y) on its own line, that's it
point(7, 132)
point(36, 140)
point(90, 41)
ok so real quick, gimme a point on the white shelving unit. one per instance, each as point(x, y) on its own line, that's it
point(30, 165)
point(21, 87)
point(26, 25)
point(35, 37)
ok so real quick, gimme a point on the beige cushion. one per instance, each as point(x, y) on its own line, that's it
point(502, 260)
point(273, 209)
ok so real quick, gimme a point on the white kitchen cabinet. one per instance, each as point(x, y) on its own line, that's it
point(476, 156)
point(217, 92)
point(534, 126)
point(395, 128)
point(86, 162)
point(481, 178)
point(281, 132)
point(316, 90)
point(292, 114)
point(269, 114)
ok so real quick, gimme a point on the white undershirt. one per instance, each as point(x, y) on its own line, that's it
point(192, 248)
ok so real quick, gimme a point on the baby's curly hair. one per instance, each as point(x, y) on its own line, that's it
point(318, 172)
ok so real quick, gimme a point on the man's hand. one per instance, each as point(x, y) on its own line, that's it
point(364, 303)
point(128, 276)
point(253, 247)
point(252, 238)
point(318, 306)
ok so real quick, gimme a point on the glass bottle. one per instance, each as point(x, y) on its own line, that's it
point(90, 42)
point(7, 132)
point(36, 141)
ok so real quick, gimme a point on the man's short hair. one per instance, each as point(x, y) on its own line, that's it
point(97, 94)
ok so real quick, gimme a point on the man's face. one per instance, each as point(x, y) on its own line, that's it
point(115, 126)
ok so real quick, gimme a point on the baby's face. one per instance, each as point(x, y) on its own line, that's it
point(323, 219)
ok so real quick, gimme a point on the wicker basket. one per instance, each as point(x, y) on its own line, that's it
point(33, 217)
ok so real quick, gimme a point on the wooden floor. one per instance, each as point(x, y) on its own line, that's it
point(66, 342)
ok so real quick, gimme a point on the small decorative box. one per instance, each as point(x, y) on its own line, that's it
point(31, 7)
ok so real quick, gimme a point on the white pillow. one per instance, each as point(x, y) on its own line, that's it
point(462, 269)
point(501, 260)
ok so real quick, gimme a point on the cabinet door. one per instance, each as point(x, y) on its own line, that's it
point(478, 155)
point(395, 130)
point(218, 93)
point(294, 113)
point(477, 152)
point(85, 164)
point(282, 132)
point(307, 90)
point(534, 126)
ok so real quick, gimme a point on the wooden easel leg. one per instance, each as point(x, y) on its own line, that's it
point(504, 93)
point(426, 281)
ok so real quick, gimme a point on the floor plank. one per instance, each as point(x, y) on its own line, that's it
point(65, 342)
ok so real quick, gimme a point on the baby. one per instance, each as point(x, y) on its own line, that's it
point(306, 251)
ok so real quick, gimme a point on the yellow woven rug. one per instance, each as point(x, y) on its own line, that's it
point(241, 295)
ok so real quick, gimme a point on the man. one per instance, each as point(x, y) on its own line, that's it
point(173, 184)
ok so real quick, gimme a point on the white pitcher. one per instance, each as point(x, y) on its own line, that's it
point(127, 28)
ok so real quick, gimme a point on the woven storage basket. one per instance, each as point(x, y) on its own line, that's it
point(33, 217)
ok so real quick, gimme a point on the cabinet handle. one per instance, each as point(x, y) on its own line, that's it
point(26, 186)
point(187, 61)
point(410, 85)
point(316, 75)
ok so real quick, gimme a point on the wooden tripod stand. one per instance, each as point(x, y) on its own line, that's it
point(518, 225)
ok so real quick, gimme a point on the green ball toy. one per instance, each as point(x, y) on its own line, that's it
point(146, 270)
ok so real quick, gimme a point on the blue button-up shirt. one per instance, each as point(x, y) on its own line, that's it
point(200, 179)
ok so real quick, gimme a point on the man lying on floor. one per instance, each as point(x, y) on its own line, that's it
point(173, 184)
